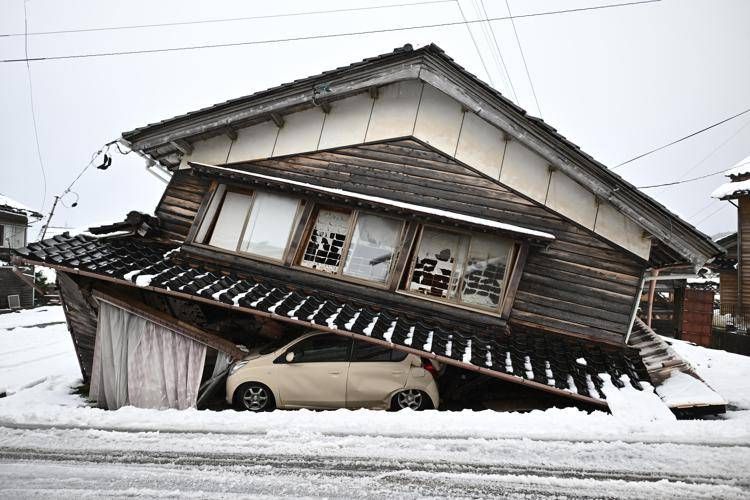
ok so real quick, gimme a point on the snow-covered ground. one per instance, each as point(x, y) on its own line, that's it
point(53, 444)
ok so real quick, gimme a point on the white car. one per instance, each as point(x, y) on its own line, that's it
point(325, 371)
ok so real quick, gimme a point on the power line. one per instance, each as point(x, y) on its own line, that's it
point(711, 214)
point(681, 139)
point(523, 58)
point(499, 52)
point(683, 181)
point(322, 36)
point(31, 101)
point(474, 41)
point(713, 151)
point(710, 204)
point(226, 19)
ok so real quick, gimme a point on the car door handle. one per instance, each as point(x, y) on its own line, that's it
point(397, 372)
point(334, 373)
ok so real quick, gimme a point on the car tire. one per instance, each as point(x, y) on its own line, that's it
point(255, 397)
point(410, 398)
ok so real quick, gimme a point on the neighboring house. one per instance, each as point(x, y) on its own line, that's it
point(16, 287)
point(734, 267)
point(400, 201)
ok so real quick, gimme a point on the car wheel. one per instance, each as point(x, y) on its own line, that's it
point(254, 397)
point(410, 398)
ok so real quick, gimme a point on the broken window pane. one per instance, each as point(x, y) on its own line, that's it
point(435, 261)
point(231, 218)
point(326, 243)
point(270, 225)
point(372, 247)
point(482, 283)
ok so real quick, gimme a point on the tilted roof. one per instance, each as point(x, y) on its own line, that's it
point(430, 64)
point(553, 363)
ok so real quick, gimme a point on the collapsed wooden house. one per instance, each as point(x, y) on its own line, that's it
point(400, 201)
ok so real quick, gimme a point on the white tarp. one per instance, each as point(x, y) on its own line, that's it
point(140, 363)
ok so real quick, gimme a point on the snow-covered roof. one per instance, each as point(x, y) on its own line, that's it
point(741, 168)
point(731, 190)
point(394, 203)
point(8, 204)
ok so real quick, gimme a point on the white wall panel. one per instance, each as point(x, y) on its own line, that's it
point(346, 124)
point(213, 151)
point(571, 199)
point(300, 133)
point(481, 145)
point(525, 171)
point(395, 110)
point(614, 226)
point(438, 120)
point(254, 143)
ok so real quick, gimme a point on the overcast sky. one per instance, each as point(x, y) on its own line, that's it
point(617, 82)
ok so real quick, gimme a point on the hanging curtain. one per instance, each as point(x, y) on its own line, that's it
point(140, 363)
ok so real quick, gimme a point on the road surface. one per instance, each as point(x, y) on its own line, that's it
point(72, 463)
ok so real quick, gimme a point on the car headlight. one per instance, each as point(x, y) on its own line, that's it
point(237, 366)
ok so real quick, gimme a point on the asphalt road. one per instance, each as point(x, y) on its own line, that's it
point(74, 463)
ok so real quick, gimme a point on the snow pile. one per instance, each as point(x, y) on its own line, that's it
point(725, 372)
point(681, 389)
point(741, 168)
point(37, 356)
point(634, 406)
point(731, 188)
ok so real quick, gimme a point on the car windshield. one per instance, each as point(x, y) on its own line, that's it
point(276, 344)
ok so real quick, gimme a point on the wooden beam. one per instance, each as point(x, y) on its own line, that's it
point(277, 119)
point(515, 280)
point(164, 320)
point(183, 146)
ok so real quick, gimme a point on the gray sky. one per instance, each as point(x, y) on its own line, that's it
point(617, 82)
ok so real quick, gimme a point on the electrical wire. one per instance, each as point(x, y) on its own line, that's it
point(499, 52)
point(320, 36)
point(33, 110)
point(710, 204)
point(711, 214)
point(227, 19)
point(713, 151)
point(674, 183)
point(474, 41)
point(523, 58)
point(693, 134)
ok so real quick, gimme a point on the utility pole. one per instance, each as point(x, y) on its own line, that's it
point(49, 219)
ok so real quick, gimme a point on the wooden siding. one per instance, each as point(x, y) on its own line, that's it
point(743, 253)
point(180, 203)
point(82, 317)
point(578, 285)
point(12, 284)
point(728, 290)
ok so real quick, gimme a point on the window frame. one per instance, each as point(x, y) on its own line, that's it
point(510, 268)
point(353, 218)
point(252, 192)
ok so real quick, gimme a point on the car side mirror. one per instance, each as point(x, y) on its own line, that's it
point(416, 361)
point(289, 356)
